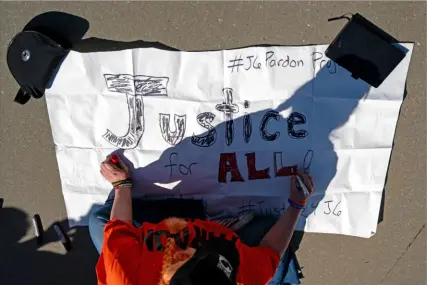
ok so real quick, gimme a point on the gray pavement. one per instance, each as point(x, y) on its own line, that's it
point(29, 175)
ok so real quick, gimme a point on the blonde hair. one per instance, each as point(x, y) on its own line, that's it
point(173, 258)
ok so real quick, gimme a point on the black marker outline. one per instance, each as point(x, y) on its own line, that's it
point(247, 127)
point(180, 123)
point(205, 119)
point(228, 108)
point(309, 158)
point(135, 88)
point(263, 126)
point(296, 118)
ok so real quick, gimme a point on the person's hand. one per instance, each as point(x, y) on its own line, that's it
point(297, 195)
point(113, 173)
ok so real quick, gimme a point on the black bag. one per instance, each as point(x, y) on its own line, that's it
point(35, 54)
point(33, 58)
point(365, 50)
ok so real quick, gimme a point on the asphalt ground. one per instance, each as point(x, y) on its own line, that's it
point(29, 175)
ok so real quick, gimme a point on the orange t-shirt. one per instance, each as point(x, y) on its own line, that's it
point(134, 256)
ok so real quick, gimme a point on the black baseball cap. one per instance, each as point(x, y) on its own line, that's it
point(208, 267)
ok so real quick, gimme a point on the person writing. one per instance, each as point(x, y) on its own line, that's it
point(180, 251)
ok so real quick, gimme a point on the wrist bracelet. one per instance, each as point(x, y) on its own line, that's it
point(294, 205)
point(127, 180)
point(299, 203)
point(122, 184)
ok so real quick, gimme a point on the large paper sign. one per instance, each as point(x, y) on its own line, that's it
point(230, 127)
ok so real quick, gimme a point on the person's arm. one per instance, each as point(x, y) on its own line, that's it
point(279, 236)
point(122, 205)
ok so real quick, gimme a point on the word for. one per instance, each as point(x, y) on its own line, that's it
point(228, 164)
point(270, 60)
point(181, 168)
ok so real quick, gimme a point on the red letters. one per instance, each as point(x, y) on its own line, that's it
point(283, 171)
point(228, 163)
point(253, 173)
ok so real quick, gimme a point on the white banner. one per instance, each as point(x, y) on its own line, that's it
point(229, 127)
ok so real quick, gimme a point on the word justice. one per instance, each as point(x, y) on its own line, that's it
point(173, 126)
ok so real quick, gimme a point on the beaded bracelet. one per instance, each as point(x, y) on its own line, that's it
point(122, 184)
point(125, 185)
point(300, 203)
point(127, 180)
point(296, 205)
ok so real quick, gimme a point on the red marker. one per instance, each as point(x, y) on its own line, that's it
point(115, 159)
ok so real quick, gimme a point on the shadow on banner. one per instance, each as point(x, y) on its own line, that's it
point(22, 261)
point(145, 177)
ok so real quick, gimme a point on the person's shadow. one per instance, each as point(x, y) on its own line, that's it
point(335, 96)
point(23, 262)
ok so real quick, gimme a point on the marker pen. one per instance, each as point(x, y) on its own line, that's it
point(115, 159)
point(63, 237)
point(302, 186)
point(38, 229)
